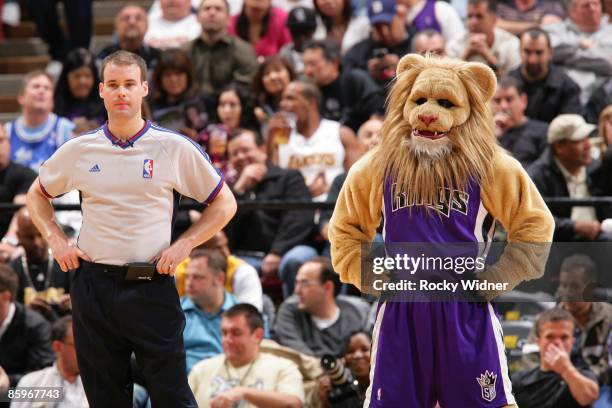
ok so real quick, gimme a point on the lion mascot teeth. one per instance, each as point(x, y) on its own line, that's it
point(439, 176)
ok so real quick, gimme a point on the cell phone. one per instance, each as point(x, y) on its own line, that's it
point(137, 271)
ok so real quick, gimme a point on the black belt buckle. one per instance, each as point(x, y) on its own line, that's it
point(138, 271)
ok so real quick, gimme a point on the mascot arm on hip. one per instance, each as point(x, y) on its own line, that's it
point(438, 133)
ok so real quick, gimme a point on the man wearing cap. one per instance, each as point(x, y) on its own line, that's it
point(388, 42)
point(219, 58)
point(566, 169)
point(302, 24)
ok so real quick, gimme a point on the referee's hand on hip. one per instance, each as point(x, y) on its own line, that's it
point(66, 254)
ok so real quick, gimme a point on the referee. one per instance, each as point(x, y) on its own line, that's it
point(130, 175)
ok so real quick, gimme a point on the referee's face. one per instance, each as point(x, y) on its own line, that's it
point(123, 91)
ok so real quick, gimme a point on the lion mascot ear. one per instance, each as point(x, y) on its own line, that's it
point(484, 77)
point(410, 61)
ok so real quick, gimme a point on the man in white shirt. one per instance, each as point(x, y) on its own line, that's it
point(243, 376)
point(176, 26)
point(484, 42)
point(64, 373)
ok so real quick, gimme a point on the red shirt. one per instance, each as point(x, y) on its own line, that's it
point(276, 36)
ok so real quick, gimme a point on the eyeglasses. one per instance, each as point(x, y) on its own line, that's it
point(305, 283)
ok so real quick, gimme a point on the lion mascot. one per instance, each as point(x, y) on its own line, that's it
point(438, 148)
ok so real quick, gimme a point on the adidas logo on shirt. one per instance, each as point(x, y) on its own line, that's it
point(95, 169)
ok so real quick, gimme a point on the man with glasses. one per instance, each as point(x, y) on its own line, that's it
point(316, 321)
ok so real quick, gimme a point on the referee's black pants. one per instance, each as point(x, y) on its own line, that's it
point(112, 318)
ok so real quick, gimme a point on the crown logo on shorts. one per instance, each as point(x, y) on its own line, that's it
point(487, 385)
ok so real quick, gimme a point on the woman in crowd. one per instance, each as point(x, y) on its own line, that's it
point(339, 23)
point(76, 93)
point(261, 25)
point(269, 82)
point(605, 127)
point(175, 100)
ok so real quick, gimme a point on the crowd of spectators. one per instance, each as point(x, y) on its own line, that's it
point(285, 96)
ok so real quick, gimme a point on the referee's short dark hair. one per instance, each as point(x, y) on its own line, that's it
point(251, 314)
point(125, 58)
point(8, 281)
point(60, 328)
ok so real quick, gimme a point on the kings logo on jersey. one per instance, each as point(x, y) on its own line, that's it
point(487, 385)
point(147, 168)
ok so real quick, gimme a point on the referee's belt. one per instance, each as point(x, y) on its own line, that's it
point(121, 271)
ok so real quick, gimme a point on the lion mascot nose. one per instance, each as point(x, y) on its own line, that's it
point(427, 119)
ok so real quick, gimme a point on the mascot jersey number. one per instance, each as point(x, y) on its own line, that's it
point(437, 136)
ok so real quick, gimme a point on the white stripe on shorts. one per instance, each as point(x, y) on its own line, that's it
point(503, 363)
point(375, 334)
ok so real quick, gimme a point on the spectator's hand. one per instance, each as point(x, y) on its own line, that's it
point(277, 123)
point(557, 359)
point(261, 115)
point(587, 43)
point(228, 399)
point(269, 265)
point(66, 254)
point(324, 389)
point(325, 231)
point(250, 176)
point(5, 382)
point(318, 186)
point(40, 305)
point(503, 121)
point(587, 229)
point(171, 257)
point(6, 252)
point(64, 302)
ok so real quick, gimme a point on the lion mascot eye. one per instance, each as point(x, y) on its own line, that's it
point(445, 103)
point(420, 101)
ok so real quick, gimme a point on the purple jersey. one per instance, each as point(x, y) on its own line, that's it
point(426, 19)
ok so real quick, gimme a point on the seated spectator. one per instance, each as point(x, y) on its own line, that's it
point(176, 26)
point(77, 96)
point(593, 319)
point(272, 241)
point(357, 359)
point(524, 137)
point(269, 83)
point(350, 96)
point(302, 23)
point(219, 58)
point(338, 23)
point(243, 374)
point(316, 321)
point(24, 334)
point(429, 41)
point(64, 373)
point(206, 299)
point(379, 54)
point(176, 103)
point(550, 92)
point(601, 98)
point(36, 123)
point(517, 16)
point(42, 284)
point(556, 382)
point(241, 279)
point(435, 15)
point(130, 29)
point(565, 169)
point(15, 180)
point(582, 45)
point(368, 137)
point(484, 42)
point(319, 148)
point(261, 25)
point(604, 133)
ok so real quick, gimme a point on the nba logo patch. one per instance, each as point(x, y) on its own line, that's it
point(147, 168)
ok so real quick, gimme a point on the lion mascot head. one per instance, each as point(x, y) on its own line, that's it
point(438, 131)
